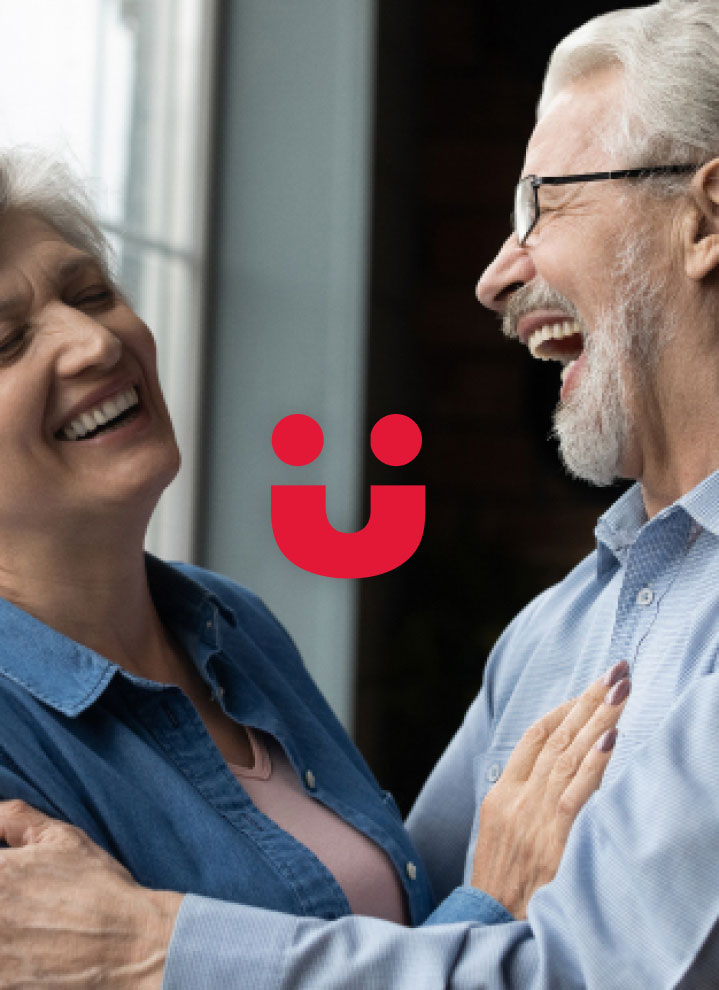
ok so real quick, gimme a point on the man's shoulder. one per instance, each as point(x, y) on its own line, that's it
point(546, 635)
point(552, 602)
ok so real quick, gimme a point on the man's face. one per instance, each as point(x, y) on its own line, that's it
point(580, 290)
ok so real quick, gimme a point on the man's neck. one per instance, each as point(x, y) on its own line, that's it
point(677, 443)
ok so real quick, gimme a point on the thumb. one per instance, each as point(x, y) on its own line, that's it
point(22, 825)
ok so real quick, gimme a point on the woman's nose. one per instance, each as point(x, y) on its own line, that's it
point(86, 343)
point(512, 268)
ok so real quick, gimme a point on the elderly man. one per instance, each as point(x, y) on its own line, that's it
point(612, 269)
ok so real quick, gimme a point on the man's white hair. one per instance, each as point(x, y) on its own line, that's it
point(669, 56)
point(34, 182)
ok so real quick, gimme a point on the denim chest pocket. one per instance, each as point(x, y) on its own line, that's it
point(487, 769)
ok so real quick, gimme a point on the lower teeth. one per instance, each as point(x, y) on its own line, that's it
point(566, 369)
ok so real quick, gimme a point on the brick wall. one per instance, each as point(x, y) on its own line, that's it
point(456, 92)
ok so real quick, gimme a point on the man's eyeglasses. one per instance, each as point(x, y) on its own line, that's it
point(526, 196)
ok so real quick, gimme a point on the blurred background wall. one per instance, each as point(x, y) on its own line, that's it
point(302, 195)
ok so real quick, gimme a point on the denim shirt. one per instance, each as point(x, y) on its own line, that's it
point(129, 760)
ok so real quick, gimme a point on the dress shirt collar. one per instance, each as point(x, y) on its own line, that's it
point(620, 525)
point(69, 677)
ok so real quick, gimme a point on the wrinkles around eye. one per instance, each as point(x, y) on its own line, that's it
point(12, 344)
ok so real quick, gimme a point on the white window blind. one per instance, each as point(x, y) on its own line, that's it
point(122, 89)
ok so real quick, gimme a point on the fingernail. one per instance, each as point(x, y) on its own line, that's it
point(619, 692)
point(616, 673)
point(605, 743)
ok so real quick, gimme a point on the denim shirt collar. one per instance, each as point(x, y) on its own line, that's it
point(70, 677)
point(619, 527)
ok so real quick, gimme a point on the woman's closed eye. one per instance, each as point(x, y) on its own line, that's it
point(95, 298)
point(13, 342)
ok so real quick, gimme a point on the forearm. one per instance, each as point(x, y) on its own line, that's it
point(604, 921)
point(243, 948)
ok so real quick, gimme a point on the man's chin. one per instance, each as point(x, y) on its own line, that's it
point(591, 455)
point(599, 476)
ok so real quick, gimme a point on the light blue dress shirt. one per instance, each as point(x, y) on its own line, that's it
point(635, 901)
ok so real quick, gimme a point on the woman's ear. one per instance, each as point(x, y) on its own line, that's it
point(700, 223)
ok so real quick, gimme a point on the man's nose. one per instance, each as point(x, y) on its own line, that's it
point(86, 344)
point(511, 269)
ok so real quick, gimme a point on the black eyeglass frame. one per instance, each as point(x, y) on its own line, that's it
point(536, 181)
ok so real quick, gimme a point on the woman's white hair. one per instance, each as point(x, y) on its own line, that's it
point(669, 56)
point(35, 183)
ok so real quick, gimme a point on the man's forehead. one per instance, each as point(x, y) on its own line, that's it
point(568, 137)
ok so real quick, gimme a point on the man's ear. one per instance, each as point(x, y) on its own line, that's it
point(700, 223)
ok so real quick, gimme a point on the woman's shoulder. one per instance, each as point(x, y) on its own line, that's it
point(247, 611)
point(229, 592)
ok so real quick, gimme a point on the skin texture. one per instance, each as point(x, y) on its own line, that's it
point(82, 921)
point(670, 447)
point(73, 514)
point(526, 817)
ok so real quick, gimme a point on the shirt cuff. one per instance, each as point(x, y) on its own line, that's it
point(213, 941)
point(469, 904)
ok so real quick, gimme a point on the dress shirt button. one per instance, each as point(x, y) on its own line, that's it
point(310, 780)
point(645, 596)
point(411, 870)
point(209, 623)
point(493, 773)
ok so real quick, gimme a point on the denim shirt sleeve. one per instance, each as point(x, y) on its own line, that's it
point(469, 904)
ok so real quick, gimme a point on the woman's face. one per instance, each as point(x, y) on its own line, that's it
point(72, 352)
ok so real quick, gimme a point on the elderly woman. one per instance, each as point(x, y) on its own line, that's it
point(162, 709)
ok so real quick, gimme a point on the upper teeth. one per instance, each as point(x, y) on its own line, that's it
point(104, 413)
point(551, 331)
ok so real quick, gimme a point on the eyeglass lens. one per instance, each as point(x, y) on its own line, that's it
point(524, 206)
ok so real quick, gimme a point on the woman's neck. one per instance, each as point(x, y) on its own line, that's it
point(93, 592)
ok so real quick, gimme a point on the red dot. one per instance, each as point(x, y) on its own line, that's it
point(297, 439)
point(395, 439)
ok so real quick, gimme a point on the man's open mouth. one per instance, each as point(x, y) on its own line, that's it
point(563, 342)
point(106, 416)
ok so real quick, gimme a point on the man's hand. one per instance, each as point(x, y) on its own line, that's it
point(70, 915)
point(556, 766)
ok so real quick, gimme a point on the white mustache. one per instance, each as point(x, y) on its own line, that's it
point(536, 295)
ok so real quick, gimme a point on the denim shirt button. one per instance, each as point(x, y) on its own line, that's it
point(411, 870)
point(310, 780)
point(493, 773)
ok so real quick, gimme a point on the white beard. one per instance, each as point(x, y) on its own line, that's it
point(595, 426)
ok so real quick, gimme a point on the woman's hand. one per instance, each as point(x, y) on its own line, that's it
point(557, 764)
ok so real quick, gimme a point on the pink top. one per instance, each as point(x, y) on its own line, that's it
point(361, 868)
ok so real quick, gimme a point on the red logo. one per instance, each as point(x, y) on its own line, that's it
point(299, 516)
